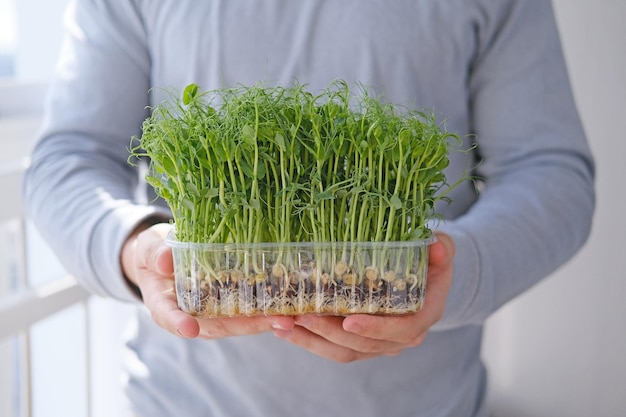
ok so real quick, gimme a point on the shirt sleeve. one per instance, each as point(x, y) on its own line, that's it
point(79, 190)
point(536, 208)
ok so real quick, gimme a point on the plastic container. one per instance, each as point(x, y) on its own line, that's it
point(337, 278)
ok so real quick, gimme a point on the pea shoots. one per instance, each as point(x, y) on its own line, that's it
point(253, 165)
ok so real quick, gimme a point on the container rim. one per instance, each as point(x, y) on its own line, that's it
point(171, 241)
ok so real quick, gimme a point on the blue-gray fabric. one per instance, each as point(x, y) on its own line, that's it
point(493, 69)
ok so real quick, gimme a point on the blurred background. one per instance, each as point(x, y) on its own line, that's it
point(556, 351)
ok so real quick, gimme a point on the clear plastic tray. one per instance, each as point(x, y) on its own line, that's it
point(338, 278)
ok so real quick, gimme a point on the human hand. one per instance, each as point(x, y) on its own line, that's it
point(363, 336)
point(147, 262)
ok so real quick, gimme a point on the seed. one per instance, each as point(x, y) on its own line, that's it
point(222, 275)
point(278, 270)
point(371, 273)
point(351, 279)
point(236, 275)
point(390, 275)
point(260, 277)
point(341, 267)
point(399, 285)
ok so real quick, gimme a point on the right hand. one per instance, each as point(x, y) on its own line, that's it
point(147, 262)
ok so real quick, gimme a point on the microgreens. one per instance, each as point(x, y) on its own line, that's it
point(275, 164)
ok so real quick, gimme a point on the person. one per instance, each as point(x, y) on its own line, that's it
point(493, 69)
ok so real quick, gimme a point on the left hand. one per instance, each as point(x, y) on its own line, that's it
point(363, 336)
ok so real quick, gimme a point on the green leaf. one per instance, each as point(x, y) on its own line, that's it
point(395, 202)
point(187, 203)
point(261, 171)
point(168, 167)
point(194, 190)
point(189, 93)
point(246, 168)
point(155, 182)
point(205, 163)
point(255, 204)
point(220, 154)
point(248, 135)
point(324, 195)
point(417, 234)
point(280, 141)
point(210, 193)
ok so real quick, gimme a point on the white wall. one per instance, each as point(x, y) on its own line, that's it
point(560, 350)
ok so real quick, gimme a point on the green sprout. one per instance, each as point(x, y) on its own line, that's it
point(274, 164)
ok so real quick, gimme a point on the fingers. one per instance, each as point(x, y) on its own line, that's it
point(406, 330)
point(439, 281)
point(160, 299)
point(325, 337)
point(214, 328)
point(442, 251)
point(155, 254)
point(411, 329)
point(151, 268)
point(356, 337)
point(362, 336)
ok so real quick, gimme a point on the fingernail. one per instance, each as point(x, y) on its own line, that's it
point(278, 326)
point(352, 327)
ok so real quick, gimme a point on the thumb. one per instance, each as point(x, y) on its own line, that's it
point(164, 261)
point(442, 251)
point(157, 256)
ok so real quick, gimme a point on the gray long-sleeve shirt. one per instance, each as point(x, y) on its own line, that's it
point(492, 68)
